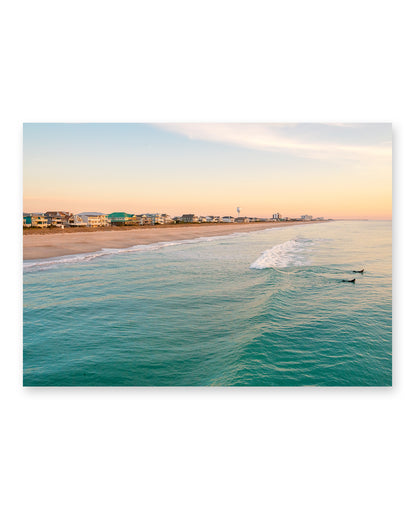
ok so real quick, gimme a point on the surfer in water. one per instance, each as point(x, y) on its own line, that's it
point(361, 272)
point(349, 281)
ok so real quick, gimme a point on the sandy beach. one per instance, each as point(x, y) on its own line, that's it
point(37, 246)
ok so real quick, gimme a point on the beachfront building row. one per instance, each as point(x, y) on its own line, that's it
point(63, 219)
point(191, 218)
point(145, 219)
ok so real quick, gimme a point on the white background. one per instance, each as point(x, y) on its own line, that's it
point(207, 453)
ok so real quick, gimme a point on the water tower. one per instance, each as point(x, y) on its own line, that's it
point(238, 210)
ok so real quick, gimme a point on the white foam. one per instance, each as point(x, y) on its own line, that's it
point(50, 263)
point(290, 253)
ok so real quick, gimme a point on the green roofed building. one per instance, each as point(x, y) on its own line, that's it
point(119, 217)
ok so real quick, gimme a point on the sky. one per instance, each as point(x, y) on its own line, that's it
point(332, 170)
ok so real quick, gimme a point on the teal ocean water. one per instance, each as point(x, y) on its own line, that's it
point(261, 308)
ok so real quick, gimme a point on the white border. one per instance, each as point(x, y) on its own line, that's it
point(208, 453)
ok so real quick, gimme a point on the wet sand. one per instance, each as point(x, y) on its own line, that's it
point(59, 244)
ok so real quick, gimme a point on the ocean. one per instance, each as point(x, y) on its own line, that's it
point(264, 308)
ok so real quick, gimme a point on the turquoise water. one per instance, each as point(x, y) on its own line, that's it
point(261, 308)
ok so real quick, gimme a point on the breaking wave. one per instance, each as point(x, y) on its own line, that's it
point(290, 253)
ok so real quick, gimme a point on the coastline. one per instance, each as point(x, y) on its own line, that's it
point(42, 246)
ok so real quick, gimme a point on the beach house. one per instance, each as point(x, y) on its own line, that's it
point(54, 220)
point(189, 218)
point(135, 220)
point(27, 220)
point(167, 219)
point(154, 218)
point(142, 220)
point(37, 220)
point(95, 219)
point(77, 221)
point(228, 219)
point(120, 217)
point(58, 218)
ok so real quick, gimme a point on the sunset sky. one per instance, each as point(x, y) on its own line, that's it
point(332, 170)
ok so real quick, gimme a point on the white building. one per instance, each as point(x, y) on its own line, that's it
point(213, 218)
point(156, 218)
point(78, 221)
point(89, 220)
point(167, 219)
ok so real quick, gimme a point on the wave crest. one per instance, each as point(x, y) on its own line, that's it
point(290, 253)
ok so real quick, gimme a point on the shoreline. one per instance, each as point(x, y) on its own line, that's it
point(42, 246)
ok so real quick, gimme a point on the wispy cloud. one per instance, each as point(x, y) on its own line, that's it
point(283, 138)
